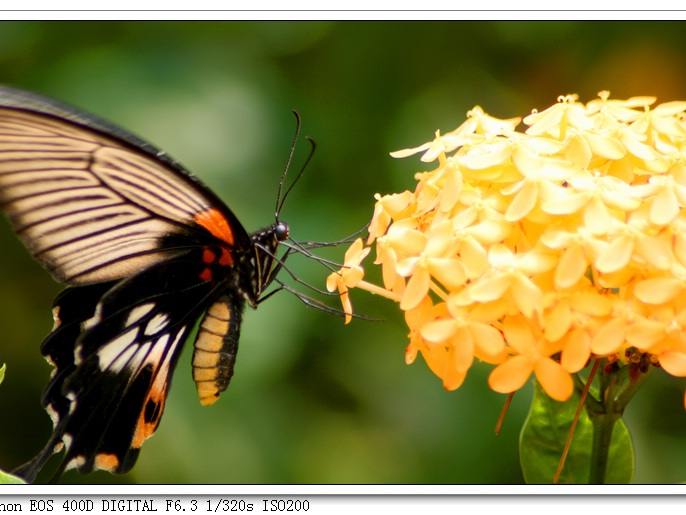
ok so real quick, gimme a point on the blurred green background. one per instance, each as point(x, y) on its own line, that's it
point(314, 401)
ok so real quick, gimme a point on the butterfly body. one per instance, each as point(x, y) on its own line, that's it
point(146, 251)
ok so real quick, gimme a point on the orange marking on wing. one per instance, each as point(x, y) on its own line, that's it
point(213, 221)
point(145, 427)
point(144, 430)
point(108, 462)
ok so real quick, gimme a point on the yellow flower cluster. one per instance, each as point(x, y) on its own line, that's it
point(537, 251)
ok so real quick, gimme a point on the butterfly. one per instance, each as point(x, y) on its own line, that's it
point(145, 251)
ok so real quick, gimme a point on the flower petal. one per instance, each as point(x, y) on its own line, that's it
point(409, 242)
point(474, 258)
point(571, 267)
point(609, 337)
point(605, 146)
point(524, 201)
point(511, 375)
point(596, 217)
point(556, 382)
point(674, 362)
point(658, 290)
point(616, 255)
point(439, 330)
point(406, 152)
point(591, 303)
point(665, 207)
point(487, 338)
point(449, 272)
point(452, 187)
point(643, 334)
point(577, 350)
point(527, 296)
point(332, 281)
point(558, 322)
point(518, 334)
point(463, 351)
point(416, 290)
point(655, 251)
point(566, 205)
point(489, 288)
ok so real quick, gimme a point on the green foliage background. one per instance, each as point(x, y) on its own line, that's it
point(314, 401)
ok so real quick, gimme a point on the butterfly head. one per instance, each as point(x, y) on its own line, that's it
point(262, 264)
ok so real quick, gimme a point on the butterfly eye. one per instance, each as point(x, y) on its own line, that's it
point(281, 231)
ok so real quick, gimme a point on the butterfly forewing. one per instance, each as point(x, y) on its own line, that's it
point(89, 207)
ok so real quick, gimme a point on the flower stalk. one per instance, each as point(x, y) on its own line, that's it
point(616, 390)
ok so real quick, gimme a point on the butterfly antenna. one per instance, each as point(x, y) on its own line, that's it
point(281, 200)
point(279, 197)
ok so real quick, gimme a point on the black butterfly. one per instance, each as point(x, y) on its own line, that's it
point(145, 250)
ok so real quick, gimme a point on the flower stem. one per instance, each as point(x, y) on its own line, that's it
point(603, 424)
point(616, 390)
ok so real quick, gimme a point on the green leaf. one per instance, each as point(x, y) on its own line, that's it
point(544, 436)
point(5, 478)
point(9, 479)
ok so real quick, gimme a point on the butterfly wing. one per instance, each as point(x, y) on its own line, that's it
point(145, 249)
point(113, 364)
point(93, 203)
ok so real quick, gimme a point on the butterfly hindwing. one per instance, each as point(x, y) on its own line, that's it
point(72, 307)
point(114, 363)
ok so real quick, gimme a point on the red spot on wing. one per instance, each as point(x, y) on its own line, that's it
point(226, 259)
point(214, 221)
point(211, 256)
